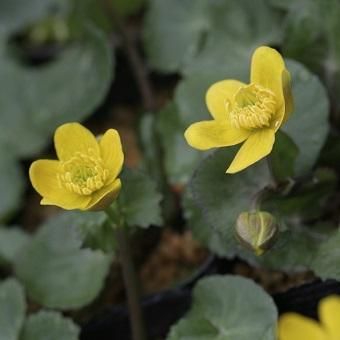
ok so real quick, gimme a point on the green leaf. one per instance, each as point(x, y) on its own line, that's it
point(306, 200)
point(294, 251)
point(314, 41)
point(11, 241)
point(149, 141)
point(172, 32)
point(308, 125)
point(308, 37)
point(282, 157)
point(139, 200)
point(180, 159)
point(11, 184)
point(81, 221)
point(190, 97)
point(228, 307)
point(236, 28)
point(200, 228)
point(12, 309)
point(16, 15)
point(92, 228)
point(57, 272)
point(304, 35)
point(189, 107)
point(208, 36)
point(331, 63)
point(326, 261)
point(91, 12)
point(102, 237)
point(66, 89)
point(49, 325)
point(155, 159)
point(222, 197)
point(219, 199)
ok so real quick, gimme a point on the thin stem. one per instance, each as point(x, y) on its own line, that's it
point(138, 68)
point(136, 62)
point(271, 172)
point(129, 273)
point(260, 196)
point(140, 73)
point(131, 285)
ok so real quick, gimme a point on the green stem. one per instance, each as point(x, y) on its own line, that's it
point(260, 197)
point(271, 172)
point(263, 193)
point(129, 273)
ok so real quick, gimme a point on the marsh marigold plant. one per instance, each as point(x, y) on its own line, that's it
point(249, 113)
point(293, 326)
point(86, 175)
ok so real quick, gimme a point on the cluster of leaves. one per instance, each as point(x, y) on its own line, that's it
point(206, 41)
point(217, 44)
point(203, 41)
point(14, 324)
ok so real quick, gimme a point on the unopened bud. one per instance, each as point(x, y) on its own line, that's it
point(256, 230)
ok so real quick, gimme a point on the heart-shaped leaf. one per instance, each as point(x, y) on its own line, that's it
point(49, 325)
point(57, 272)
point(12, 309)
point(228, 307)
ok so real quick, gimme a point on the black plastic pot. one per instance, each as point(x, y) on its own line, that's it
point(160, 311)
point(164, 309)
point(304, 299)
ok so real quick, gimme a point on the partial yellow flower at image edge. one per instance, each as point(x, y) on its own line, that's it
point(246, 113)
point(85, 176)
point(293, 326)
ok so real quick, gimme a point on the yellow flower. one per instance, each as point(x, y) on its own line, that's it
point(249, 113)
point(293, 326)
point(85, 176)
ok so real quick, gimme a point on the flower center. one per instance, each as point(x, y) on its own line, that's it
point(83, 173)
point(254, 107)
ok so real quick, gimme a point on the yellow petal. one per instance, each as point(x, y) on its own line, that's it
point(212, 134)
point(293, 326)
point(267, 68)
point(329, 314)
point(102, 198)
point(218, 96)
point(43, 175)
point(287, 93)
point(70, 138)
point(112, 152)
point(257, 146)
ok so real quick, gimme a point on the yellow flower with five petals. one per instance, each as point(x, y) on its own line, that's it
point(85, 176)
point(249, 113)
point(293, 326)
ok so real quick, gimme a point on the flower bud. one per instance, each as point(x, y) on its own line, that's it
point(256, 230)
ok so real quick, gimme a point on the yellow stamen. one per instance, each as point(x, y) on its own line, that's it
point(83, 174)
point(254, 107)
